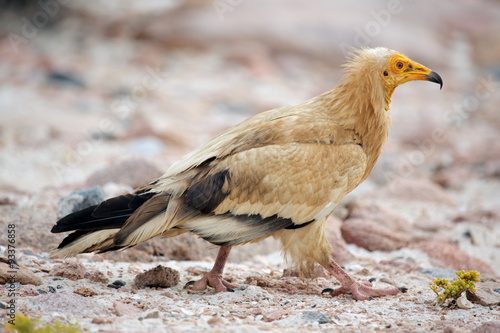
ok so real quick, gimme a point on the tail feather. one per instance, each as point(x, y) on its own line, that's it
point(109, 214)
point(93, 241)
point(95, 227)
point(72, 237)
point(146, 213)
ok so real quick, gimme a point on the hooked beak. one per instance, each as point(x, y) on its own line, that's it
point(420, 72)
point(435, 77)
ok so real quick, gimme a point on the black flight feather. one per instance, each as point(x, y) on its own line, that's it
point(109, 214)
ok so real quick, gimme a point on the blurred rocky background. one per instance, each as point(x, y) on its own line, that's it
point(111, 93)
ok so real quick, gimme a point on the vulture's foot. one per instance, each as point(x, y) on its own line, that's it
point(362, 291)
point(212, 280)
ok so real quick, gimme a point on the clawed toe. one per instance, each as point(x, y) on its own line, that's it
point(213, 281)
point(326, 290)
point(189, 283)
point(363, 292)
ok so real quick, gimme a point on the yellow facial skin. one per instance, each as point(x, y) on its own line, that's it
point(401, 69)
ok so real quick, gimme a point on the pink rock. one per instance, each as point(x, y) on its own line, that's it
point(69, 270)
point(387, 217)
point(160, 276)
point(449, 255)
point(28, 290)
point(274, 315)
point(372, 235)
point(23, 274)
point(96, 276)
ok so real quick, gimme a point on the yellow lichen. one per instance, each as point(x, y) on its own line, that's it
point(24, 324)
point(445, 290)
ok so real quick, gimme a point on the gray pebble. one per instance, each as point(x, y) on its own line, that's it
point(117, 284)
point(315, 317)
point(79, 200)
point(15, 285)
point(439, 273)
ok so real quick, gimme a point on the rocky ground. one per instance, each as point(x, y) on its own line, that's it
point(105, 97)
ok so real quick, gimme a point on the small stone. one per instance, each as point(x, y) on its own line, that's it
point(117, 284)
point(15, 285)
point(85, 291)
point(463, 302)
point(120, 283)
point(23, 274)
point(487, 293)
point(79, 200)
point(274, 315)
point(114, 286)
point(28, 290)
point(52, 289)
point(70, 270)
point(153, 315)
point(314, 316)
point(159, 276)
point(96, 276)
point(215, 320)
point(3, 305)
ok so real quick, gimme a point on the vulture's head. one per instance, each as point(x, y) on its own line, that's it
point(395, 68)
point(400, 69)
point(370, 66)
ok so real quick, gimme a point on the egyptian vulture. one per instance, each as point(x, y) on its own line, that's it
point(280, 173)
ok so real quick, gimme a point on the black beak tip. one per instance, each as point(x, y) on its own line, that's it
point(435, 77)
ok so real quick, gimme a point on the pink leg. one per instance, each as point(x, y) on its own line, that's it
point(214, 277)
point(360, 291)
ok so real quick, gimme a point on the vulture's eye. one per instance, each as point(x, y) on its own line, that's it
point(399, 65)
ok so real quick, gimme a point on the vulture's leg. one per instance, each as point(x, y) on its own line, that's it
point(360, 290)
point(214, 277)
